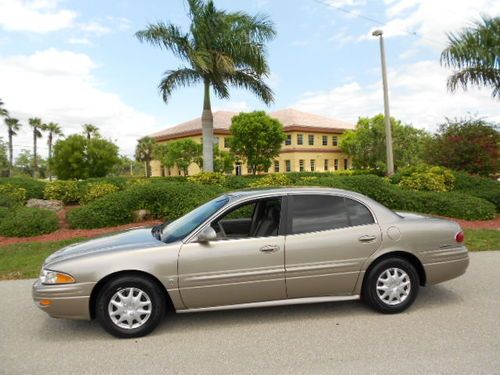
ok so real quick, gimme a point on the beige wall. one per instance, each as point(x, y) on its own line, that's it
point(293, 152)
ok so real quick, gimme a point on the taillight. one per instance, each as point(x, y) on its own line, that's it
point(459, 237)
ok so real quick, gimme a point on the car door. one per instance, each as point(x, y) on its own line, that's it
point(329, 237)
point(243, 266)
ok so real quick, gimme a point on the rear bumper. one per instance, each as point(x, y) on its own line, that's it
point(446, 269)
point(69, 301)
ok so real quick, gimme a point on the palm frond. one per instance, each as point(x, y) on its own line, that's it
point(254, 83)
point(167, 36)
point(172, 79)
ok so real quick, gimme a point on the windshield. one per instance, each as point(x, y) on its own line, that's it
point(184, 225)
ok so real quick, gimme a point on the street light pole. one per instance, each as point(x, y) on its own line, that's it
point(387, 115)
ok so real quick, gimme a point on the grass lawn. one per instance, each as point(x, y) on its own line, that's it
point(23, 260)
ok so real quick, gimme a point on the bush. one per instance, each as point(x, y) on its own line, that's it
point(423, 182)
point(8, 202)
point(208, 178)
point(164, 201)
point(34, 188)
point(4, 212)
point(97, 190)
point(13, 193)
point(67, 191)
point(120, 182)
point(480, 187)
point(275, 179)
point(27, 222)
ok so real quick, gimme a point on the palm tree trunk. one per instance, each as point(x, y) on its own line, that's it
point(207, 123)
point(50, 157)
point(35, 164)
point(10, 152)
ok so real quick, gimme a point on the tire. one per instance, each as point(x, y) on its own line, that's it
point(138, 307)
point(386, 293)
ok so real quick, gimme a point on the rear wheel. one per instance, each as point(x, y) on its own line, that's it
point(130, 306)
point(391, 286)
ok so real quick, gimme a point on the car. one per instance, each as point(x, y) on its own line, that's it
point(250, 249)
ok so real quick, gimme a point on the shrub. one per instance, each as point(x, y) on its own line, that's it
point(8, 202)
point(423, 182)
point(275, 179)
point(27, 222)
point(97, 190)
point(481, 187)
point(4, 212)
point(67, 191)
point(164, 201)
point(208, 178)
point(16, 194)
point(34, 188)
point(120, 182)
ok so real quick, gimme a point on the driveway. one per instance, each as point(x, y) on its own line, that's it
point(453, 328)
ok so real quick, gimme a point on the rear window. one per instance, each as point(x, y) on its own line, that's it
point(312, 213)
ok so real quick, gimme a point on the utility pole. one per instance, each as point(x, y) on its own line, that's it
point(387, 115)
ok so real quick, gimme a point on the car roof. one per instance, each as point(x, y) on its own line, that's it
point(286, 190)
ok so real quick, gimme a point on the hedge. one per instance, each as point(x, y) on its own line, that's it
point(164, 201)
point(34, 188)
point(481, 187)
point(28, 221)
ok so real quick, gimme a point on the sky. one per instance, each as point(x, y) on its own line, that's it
point(76, 62)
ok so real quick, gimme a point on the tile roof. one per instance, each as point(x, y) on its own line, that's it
point(290, 118)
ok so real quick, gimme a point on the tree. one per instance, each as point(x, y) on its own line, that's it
point(366, 144)
point(4, 163)
point(469, 144)
point(182, 154)
point(221, 49)
point(144, 152)
point(91, 131)
point(54, 130)
point(24, 164)
point(3, 111)
point(13, 127)
point(77, 157)
point(256, 138)
point(38, 127)
point(128, 167)
point(474, 55)
point(223, 161)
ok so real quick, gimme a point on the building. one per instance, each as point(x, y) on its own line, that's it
point(312, 142)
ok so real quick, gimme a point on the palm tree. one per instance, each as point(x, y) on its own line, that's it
point(38, 127)
point(221, 48)
point(90, 131)
point(54, 130)
point(13, 126)
point(3, 111)
point(144, 152)
point(474, 53)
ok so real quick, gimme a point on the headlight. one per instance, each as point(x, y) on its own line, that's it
point(54, 277)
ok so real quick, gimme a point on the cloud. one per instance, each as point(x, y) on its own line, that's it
point(37, 16)
point(418, 96)
point(59, 86)
point(240, 106)
point(95, 28)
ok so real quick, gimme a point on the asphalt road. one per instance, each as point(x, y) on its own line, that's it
point(453, 328)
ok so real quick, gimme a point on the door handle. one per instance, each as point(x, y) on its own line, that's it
point(367, 238)
point(269, 248)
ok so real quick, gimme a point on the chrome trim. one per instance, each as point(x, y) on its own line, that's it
point(281, 302)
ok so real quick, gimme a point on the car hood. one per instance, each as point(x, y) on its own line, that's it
point(129, 240)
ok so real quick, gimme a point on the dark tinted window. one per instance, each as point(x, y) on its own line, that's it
point(312, 213)
point(358, 213)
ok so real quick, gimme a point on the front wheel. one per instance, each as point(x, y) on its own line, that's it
point(391, 286)
point(130, 306)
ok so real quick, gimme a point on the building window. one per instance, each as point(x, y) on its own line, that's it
point(288, 140)
point(276, 166)
point(311, 139)
point(300, 139)
point(346, 164)
point(301, 165)
point(249, 170)
point(336, 164)
point(313, 165)
point(335, 140)
point(288, 165)
point(226, 142)
point(325, 140)
point(326, 165)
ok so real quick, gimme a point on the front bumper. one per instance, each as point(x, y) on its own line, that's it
point(70, 301)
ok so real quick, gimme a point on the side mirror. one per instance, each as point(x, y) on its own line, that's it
point(208, 234)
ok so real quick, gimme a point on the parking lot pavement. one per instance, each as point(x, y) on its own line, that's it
point(453, 328)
